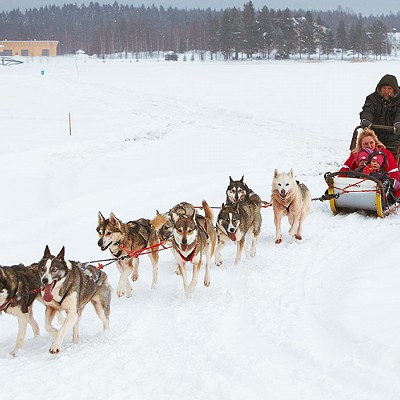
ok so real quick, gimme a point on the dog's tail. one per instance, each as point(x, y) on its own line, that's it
point(158, 221)
point(207, 211)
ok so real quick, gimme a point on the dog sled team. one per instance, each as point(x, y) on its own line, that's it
point(65, 287)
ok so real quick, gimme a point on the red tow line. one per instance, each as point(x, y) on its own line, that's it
point(146, 250)
point(265, 205)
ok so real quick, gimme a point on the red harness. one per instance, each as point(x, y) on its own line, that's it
point(189, 257)
point(12, 300)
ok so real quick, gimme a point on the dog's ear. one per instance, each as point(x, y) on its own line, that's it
point(114, 220)
point(242, 180)
point(175, 217)
point(276, 173)
point(101, 218)
point(61, 254)
point(222, 206)
point(230, 179)
point(291, 172)
point(46, 254)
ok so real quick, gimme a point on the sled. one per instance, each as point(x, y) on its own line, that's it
point(9, 61)
point(350, 191)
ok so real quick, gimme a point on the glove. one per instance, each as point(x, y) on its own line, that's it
point(367, 170)
point(396, 127)
point(365, 123)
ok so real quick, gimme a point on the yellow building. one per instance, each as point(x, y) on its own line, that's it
point(46, 48)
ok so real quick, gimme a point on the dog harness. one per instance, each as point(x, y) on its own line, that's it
point(190, 256)
point(15, 297)
point(84, 267)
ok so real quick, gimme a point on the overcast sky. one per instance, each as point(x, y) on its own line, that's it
point(358, 6)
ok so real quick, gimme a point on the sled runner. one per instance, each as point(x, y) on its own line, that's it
point(351, 191)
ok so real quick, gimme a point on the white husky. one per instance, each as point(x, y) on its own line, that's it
point(291, 198)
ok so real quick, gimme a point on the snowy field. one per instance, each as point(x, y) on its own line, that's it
point(313, 320)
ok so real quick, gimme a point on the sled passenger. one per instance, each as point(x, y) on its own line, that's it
point(375, 169)
point(361, 159)
point(382, 107)
point(367, 139)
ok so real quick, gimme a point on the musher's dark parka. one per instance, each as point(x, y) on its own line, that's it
point(384, 112)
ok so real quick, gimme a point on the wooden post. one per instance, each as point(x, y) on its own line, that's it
point(70, 128)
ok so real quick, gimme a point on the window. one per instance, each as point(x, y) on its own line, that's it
point(24, 53)
point(45, 52)
point(7, 53)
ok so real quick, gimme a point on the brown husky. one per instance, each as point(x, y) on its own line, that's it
point(183, 208)
point(131, 236)
point(19, 286)
point(193, 238)
point(69, 286)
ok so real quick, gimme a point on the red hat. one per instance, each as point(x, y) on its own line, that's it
point(378, 158)
point(362, 155)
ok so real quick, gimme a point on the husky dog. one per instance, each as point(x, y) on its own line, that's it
point(234, 222)
point(69, 286)
point(239, 191)
point(291, 198)
point(132, 236)
point(193, 238)
point(166, 230)
point(19, 287)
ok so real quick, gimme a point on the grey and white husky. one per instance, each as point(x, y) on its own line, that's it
point(239, 191)
point(234, 222)
point(69, 286)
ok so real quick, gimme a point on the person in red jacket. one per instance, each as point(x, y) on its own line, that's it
point(367, 139)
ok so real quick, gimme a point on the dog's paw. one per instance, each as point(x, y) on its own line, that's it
point(54, 349)
point(207, 283)
point(135, 277)
point(252, 253)
point(218, 263)
point(278, 241)
point(154, 285)
point(298, 237)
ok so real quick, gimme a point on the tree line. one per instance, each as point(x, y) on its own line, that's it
point(232, 32)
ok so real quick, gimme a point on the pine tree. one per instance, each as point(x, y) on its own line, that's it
point(249, 29)
point(379, 44)
point(266, 31)
point(341, 37)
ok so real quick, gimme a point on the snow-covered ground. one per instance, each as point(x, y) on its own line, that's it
point(316, 319)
